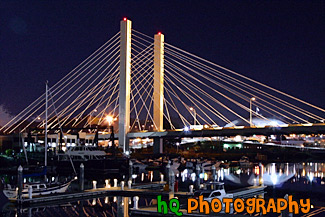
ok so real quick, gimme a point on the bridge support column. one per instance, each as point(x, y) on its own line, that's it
point(158, 92)
point(158, 145)
point(125, 84)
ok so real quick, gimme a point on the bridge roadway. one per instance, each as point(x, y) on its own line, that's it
point(233, 131)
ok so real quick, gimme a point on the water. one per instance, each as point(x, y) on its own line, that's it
point(302, 180)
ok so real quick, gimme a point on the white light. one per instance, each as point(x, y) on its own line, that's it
point(186, 129)
point(311, 176)
point(274, 179)
point(193, 176)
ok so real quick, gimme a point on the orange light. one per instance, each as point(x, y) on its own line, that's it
point(124, 18)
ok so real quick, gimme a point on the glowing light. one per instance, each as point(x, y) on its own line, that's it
point(205, 176)
point(186, 129)
point(274, 179)
point(253, 98)
point(159, 33)
point(109, 119)
point(124, 19)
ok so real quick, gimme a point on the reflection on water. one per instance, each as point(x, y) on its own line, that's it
point(273, 174)
point(281, 177)
point(106, 206)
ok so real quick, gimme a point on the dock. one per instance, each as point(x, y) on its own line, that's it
point(152, 211)
point(148, 189)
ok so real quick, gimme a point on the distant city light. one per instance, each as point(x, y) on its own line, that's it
point(186, 129)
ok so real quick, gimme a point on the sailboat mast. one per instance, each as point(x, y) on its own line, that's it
point(46, 107)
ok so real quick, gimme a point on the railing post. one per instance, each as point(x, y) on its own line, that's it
point(122, 185)
point(20, 183)
point(82, 177)
point(197, 176)
point(167, 173)
point(213, 168)
point(30, 192)
point(130, 169)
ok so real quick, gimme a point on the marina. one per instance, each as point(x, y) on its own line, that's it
point(145, 108)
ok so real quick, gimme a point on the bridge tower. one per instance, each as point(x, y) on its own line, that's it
point(125, 83)
point(158, 93)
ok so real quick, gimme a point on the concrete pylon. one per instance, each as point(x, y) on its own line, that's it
point(158, 91)
point(125, 84)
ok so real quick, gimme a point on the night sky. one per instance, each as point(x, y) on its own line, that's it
point(280, 43)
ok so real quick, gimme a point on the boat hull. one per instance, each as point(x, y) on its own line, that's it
point(12, 194)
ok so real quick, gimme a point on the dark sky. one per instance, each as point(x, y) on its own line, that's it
point(280, 43)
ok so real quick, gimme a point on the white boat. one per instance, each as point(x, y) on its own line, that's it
point(82, 153)
point(212, 191)
point(37, 189)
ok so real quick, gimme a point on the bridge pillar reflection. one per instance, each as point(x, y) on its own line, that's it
point(158, 91)
point(125, 83)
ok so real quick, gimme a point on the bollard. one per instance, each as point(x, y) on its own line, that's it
point(191, 187)
point(94, 185)
point(107, 185)
point(30, 192)
point(135, 202)
point(122, 185)
point(213, 168)
point(20, 183)
point(167, 172)
point(82, 177)
point(130, 184)
point(197, 176)
point(115, 182)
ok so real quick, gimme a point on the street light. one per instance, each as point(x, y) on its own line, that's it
point(250, 110)
point(192, 109)
point(109, 119)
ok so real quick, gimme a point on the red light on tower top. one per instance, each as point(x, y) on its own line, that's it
point(159, 33)
point(124, 19)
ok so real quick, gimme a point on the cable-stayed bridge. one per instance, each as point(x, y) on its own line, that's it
point(146, 87)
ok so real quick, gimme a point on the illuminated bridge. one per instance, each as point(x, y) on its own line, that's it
point(145, 87)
